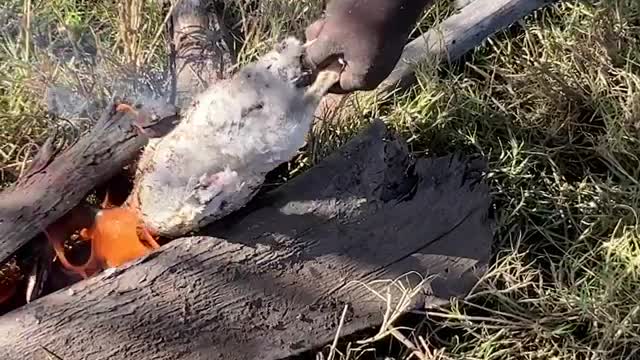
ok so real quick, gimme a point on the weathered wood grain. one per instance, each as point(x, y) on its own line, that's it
point(271, 281)
point(457, 35)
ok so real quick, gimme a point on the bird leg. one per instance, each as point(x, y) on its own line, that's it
point(147, 123)
point(324, 81)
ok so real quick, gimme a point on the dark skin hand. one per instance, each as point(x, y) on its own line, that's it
point(368, 35)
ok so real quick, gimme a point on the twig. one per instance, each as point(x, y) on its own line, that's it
point(27, 30)
point(335, 339)
point(154, 43)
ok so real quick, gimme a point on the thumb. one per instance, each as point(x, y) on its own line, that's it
point(320, 48)
point(312, 31)
point(319, 53)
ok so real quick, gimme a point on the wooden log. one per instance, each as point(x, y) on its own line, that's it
point(271, 281)
point(457, 35)
point(446, 42)
point(202, 51)
point(58, 182)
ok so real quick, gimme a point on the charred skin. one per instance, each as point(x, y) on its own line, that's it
point(140, 118)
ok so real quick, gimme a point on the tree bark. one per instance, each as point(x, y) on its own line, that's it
point(270, 281)
point(202, 48)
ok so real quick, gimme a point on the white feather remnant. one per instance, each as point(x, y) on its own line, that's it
point(230, 137)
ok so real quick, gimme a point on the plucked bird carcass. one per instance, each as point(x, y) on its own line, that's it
point(231, 136)
point(215, 160)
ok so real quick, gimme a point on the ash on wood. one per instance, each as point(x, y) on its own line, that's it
point(271, 281)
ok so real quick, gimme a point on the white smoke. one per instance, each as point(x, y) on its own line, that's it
point(74, 77)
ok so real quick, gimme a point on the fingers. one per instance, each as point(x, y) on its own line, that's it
point(321, 49)
point(319, 54)
point(326, 47)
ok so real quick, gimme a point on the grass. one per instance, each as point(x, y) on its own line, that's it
point(554, 105)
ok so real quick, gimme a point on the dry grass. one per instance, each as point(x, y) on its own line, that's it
point(73, 52)
point(555, 108)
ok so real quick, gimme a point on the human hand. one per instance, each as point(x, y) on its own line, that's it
point(368, 35)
